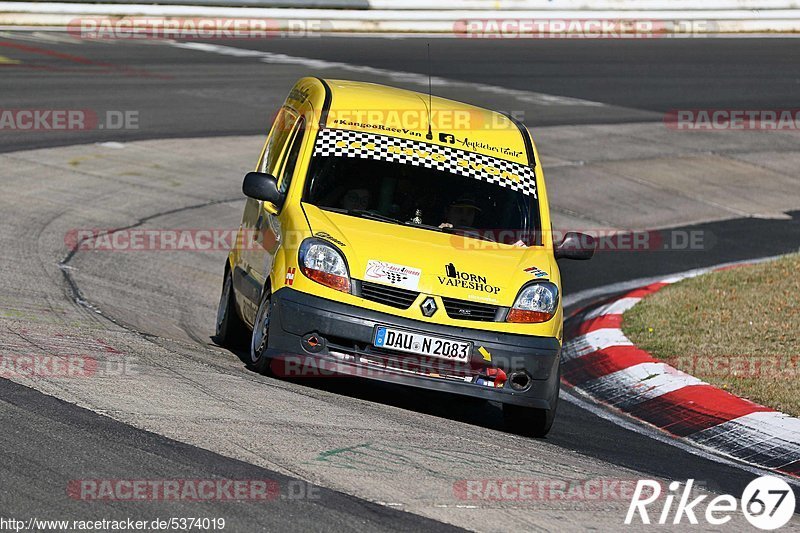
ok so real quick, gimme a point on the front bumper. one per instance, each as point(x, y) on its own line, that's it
point(313, 336)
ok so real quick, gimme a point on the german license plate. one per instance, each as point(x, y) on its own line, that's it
point(410, 342)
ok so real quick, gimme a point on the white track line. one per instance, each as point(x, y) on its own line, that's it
point(605, 290)
point(617, 307)
point(393, 75)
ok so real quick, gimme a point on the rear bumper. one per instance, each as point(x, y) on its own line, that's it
point(341, 344)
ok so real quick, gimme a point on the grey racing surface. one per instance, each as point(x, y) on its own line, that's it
point(378, 457)
point(180, 94)
point(68, 439)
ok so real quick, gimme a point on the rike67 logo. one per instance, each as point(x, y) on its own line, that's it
point(767, 503)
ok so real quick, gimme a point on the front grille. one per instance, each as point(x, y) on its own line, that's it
point(466, 310)
point(384, 294)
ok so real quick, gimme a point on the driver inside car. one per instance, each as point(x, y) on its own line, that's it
point(356, 199)
point(461, 214)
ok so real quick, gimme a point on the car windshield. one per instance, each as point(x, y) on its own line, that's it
point(430, 198)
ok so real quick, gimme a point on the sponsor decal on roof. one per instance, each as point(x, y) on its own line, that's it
point(472, 144)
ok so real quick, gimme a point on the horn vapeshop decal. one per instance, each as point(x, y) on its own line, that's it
point(346, 143)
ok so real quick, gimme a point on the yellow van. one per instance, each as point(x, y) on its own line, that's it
point(401, 237)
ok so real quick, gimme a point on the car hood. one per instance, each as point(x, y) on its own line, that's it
point(431, 262)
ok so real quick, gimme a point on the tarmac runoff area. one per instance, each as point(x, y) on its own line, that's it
point(146, 318)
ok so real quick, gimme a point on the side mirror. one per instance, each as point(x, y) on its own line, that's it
point(261, 186)
point(576, 246)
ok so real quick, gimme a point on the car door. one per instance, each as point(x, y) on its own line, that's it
point(260, 235)
point(268, 227)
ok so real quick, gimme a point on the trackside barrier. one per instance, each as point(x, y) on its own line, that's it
point(489, 5)
point(474, 19)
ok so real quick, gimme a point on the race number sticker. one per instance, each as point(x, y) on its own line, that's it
point(391, 274)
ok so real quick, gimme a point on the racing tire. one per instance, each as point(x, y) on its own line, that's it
point(530, 421)
point(231, 331)
point(259, 340)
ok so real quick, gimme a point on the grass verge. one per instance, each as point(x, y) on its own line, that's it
point(738, 329)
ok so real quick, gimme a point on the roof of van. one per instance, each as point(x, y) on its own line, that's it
point(379, 109)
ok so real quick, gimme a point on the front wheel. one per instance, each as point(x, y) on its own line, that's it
point(260, 338)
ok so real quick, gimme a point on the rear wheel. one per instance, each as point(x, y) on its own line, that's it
point(530, 421)
point(259, 340)
point(231, 330)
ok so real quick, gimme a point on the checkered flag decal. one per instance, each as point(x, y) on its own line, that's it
point(337, 142)
point(393, 277)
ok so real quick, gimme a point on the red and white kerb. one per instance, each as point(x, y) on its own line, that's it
point(599, 360)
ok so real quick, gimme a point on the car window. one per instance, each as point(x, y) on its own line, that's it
point(423, 196)
point(379, 178)
point(279, 135)
point(285, 179)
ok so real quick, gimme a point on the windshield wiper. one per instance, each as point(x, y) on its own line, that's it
point(374, 216)
point(467, 233)
point(423, 226)
point(363, 213)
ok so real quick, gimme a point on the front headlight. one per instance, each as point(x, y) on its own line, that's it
point(536, 302)
point(324, 264)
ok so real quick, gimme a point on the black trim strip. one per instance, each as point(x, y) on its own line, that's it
point(323, 118)
point(326, 105)
point(526, 138)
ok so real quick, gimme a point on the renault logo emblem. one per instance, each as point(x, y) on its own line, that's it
point(428, 306)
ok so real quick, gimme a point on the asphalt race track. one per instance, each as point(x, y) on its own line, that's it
point(204, 95)
point(358, 456)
